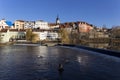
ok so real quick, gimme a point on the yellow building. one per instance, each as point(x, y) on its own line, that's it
point(19, 24)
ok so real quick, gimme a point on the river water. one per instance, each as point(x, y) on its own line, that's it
point(41, 63)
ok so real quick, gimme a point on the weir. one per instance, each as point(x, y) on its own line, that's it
point(103, 51)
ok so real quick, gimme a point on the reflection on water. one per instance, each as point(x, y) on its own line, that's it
point(110, 46)
point(99, 45)
point(83, 60)
point(41, 63)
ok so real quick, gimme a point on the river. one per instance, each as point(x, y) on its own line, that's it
point(41, 63)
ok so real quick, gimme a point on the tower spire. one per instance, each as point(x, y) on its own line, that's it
point(57, 20)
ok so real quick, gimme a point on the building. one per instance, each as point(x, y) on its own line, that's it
point(98, 34)
point(5, 24)
point(29, 24)
point(40, 24)
point(19, 24)
point(53, 26)
point(7, 35)
point(52, 35)
point(84, 27)
point(47, 35)
point(57, 20)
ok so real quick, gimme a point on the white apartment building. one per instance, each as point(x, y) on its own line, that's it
point(47, 35)
point(52, 36)
point(42, 35)
point(41, 24)
point(29, 24)
point(3, 24)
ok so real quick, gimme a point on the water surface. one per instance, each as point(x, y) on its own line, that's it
point(41, 63)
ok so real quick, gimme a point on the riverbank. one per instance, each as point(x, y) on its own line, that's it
point(5, 44)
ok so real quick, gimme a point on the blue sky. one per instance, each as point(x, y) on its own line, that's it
point(97, 12)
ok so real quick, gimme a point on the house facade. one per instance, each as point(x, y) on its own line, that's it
point(5, 24)
point(29, 24)
point(53, 26)
point(19, 24)
point(40, 24)
point(8, 35)
point(84, 27)
point(47, 35)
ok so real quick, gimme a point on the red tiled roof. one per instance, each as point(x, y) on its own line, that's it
point(52, 24)
point(20, 20)
point(3, 30)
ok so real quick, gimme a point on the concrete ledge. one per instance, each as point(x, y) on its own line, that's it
point(103, 51)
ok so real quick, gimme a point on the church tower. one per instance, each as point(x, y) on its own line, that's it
point(57, 20)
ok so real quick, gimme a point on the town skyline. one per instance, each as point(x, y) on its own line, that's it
point(99, 13)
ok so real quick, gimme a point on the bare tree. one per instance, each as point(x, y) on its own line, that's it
point(30, 36)
point(64, 36)
point(115, 33)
